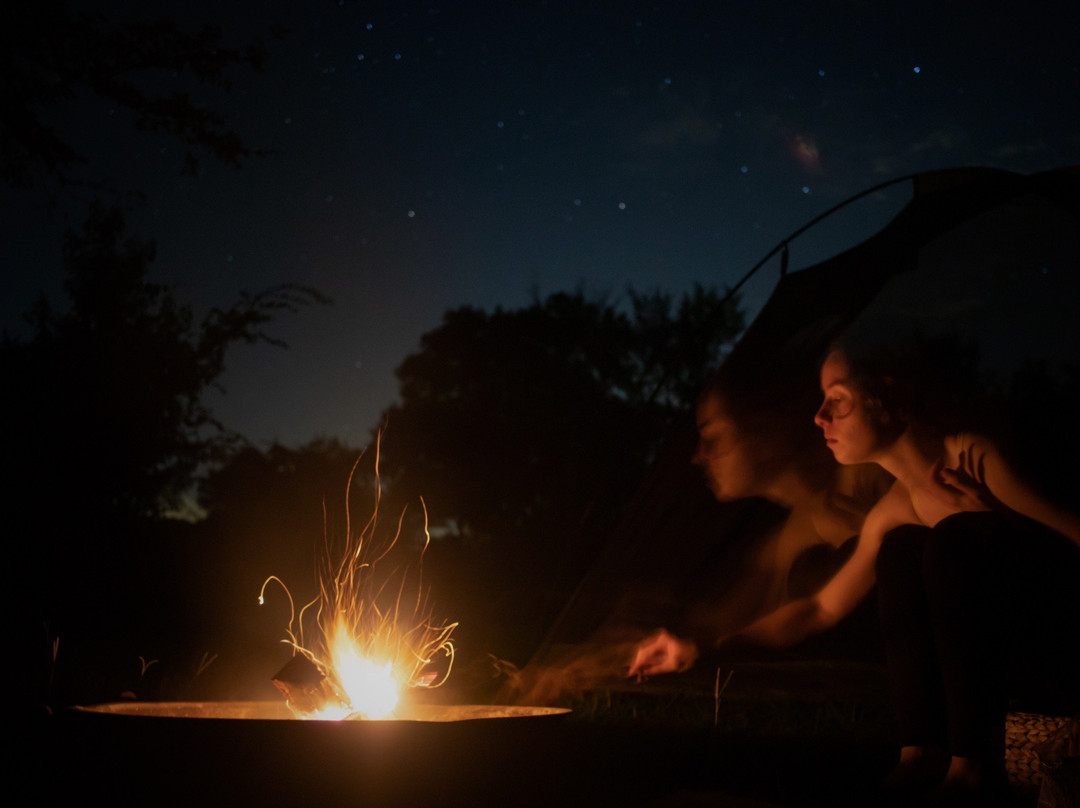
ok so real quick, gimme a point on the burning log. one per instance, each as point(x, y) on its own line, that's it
point(303, 685)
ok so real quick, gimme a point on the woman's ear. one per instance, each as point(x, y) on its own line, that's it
point(890, 407)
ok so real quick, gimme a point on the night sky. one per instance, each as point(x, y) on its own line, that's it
point(425, 156)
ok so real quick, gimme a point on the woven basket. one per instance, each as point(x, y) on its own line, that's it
point(1031, 735)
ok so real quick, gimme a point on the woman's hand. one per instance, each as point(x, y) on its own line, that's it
point(663, 652)
point(959, 489)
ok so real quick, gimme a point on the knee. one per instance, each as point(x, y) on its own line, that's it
point(900, 554)
point(959, 542)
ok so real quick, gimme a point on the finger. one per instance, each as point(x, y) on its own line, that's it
point(643, 655)
point(951, 476)
point(643, 661)
point(966, 489)
point(953, 479)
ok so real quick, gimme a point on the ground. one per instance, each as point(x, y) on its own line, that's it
point(756, 734)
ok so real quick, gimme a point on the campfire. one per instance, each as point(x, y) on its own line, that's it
point(366, 651)
point(362, 644)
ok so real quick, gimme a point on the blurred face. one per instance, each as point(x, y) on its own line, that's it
point(723, 454)
point(852, 432)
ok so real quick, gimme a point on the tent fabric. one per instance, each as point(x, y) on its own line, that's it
point(811, 307)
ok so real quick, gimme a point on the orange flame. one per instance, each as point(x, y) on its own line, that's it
point(369, 651)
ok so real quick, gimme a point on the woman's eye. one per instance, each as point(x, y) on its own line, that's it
point(713, 447)
point(837, 403)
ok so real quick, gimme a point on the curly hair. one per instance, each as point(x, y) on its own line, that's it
point(932, 385)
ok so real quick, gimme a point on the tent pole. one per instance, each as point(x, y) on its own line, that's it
point(783, 245)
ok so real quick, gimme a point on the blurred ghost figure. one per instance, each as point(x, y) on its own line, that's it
point(755, 440)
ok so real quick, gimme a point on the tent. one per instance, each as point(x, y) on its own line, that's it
point(990, 254)
point(975, 249)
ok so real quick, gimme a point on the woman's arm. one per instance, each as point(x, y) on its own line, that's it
point(794, 621)
point(801, 618)
point(981, 467)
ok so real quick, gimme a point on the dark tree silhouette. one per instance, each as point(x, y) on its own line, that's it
point(54, 56)
point(525, 431)
point(116, 380)
point(105, 428)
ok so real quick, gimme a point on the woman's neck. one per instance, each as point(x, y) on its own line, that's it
point(910, 460)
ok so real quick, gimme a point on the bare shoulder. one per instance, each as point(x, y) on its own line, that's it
point(858, 488)
point(892, 510)
point(863, 482)
point(969, 452)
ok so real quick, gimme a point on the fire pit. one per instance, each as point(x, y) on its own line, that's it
point(359, 723)
point(259, 753)
point(278, 711)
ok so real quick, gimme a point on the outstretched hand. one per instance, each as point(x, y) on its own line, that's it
point(662, 652)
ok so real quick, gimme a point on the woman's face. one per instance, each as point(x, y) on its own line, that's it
point(852, 432)
point(724, 455)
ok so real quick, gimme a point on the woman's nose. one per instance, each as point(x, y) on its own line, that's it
point(821, 417)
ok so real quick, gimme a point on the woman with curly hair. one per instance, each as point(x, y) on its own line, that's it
point(976, 571)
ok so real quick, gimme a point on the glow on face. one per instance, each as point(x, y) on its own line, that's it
point(721, 452)
point(850, 432)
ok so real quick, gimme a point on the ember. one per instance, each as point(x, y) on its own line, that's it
point(367, 650)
